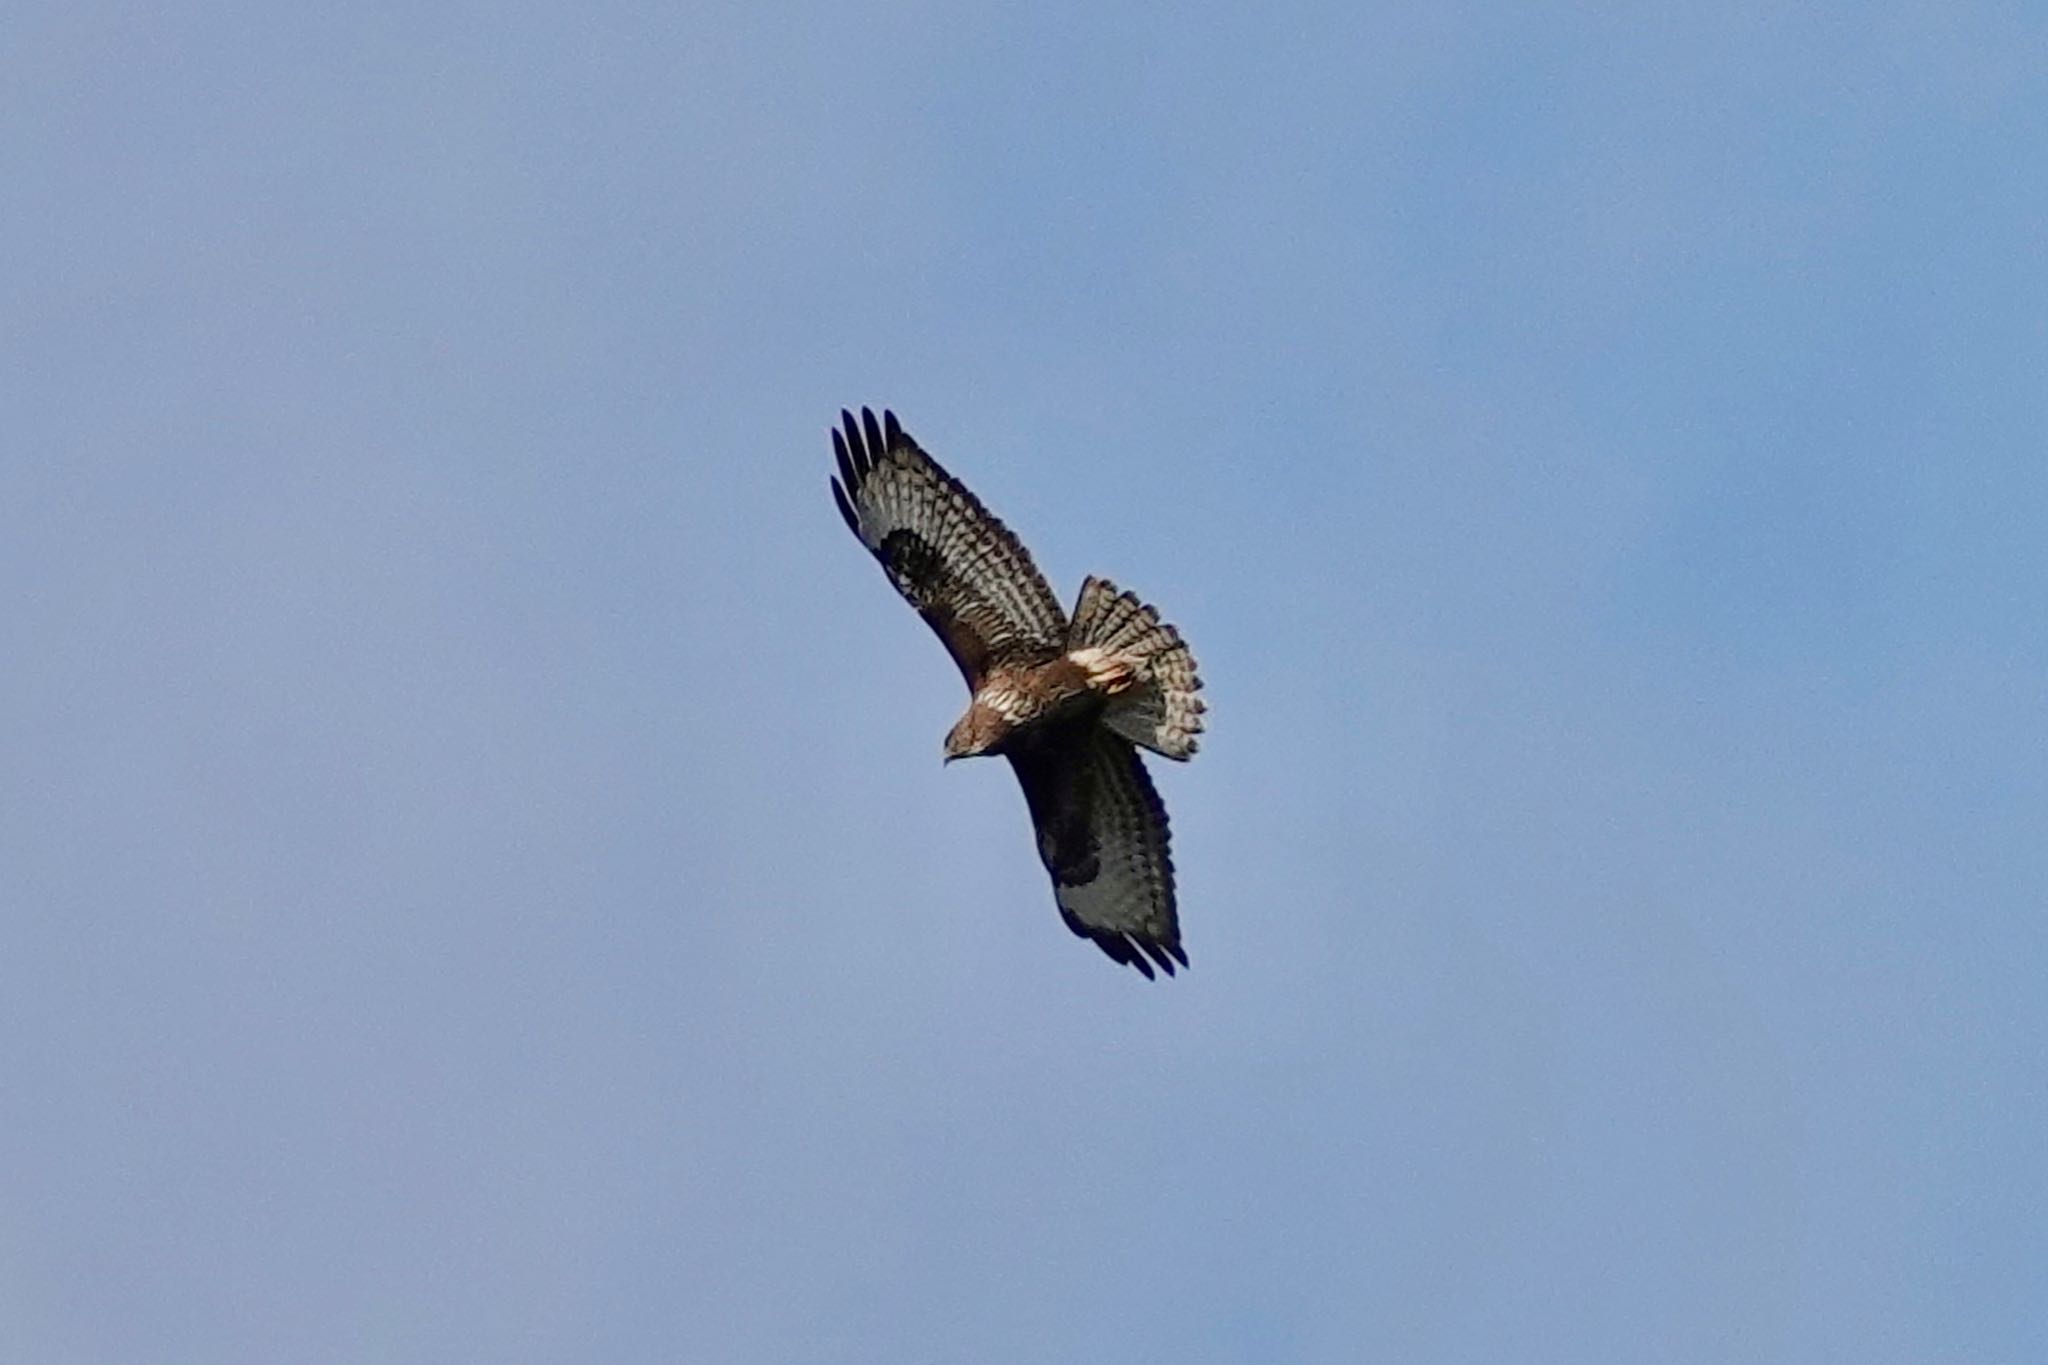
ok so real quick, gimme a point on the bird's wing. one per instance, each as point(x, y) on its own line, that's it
point(946, 553)
point(1102, 834)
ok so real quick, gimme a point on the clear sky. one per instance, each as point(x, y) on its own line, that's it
point(477, 881)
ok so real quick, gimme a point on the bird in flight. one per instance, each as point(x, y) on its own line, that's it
point(1068, 702)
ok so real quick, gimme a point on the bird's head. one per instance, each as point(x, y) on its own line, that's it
point(974, 734)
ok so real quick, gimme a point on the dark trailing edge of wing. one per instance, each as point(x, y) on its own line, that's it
point(1129, 950)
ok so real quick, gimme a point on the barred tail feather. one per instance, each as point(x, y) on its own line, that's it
point(1163, 711)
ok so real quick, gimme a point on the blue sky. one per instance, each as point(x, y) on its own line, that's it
point(478, 879)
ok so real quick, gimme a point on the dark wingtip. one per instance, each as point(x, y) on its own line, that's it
point(876, 449)
point(1125, 949)
point(891, 432)
point(1158, 953)
point(856, 449)
point(1116, 946)
point(847, 473)
point(845, 508)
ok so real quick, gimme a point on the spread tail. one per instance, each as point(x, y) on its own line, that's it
point(1160, 707)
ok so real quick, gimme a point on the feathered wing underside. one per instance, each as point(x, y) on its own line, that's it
point(1102, 834)
point(966, 574)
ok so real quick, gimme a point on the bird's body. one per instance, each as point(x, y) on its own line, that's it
point(1021, 702)
point(1064, 700)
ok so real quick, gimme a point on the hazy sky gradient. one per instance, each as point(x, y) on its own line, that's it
point(476, 876)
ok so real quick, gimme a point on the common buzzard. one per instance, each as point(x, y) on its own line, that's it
point(1065, 701)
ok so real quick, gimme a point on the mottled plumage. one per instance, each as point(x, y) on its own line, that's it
point(1066, 701)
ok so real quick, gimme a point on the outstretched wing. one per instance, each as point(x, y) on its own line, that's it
point(1102, 834)
point(950, 558)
